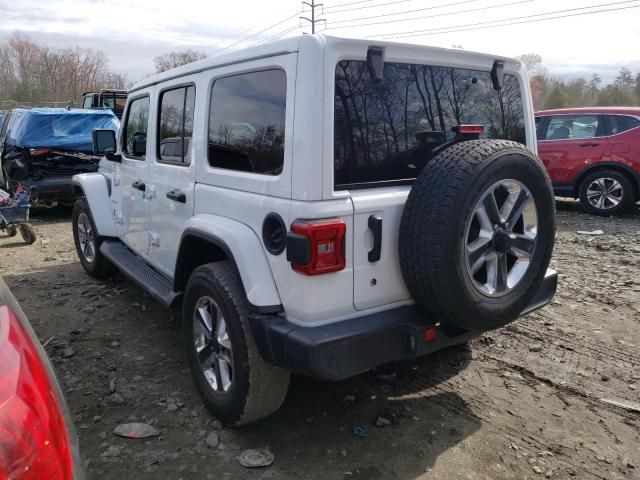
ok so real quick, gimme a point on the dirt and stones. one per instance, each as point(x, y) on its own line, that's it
point(522, 402)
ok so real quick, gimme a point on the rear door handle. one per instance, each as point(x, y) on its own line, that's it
point(177, 196)
point(589, 144)
point(138, 185)
point(375, 224)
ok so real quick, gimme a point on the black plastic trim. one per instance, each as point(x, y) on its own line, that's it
point(217, 241)
point(346, 348)
point(375, 224)
point(271, 222)
point(298, 249)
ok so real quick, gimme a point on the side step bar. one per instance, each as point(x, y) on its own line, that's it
point(156, 285)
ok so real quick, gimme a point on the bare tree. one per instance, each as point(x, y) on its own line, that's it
point(171, 60)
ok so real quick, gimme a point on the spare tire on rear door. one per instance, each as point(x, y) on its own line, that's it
point(477, 233)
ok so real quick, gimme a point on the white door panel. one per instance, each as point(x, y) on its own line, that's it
point(131, 205)
point(172, 169)
point(379, 282)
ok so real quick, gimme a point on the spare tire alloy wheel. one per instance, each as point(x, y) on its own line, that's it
point(477, 233)
point(500, 237)
point(212, 344)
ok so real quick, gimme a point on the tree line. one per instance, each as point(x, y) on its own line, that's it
point(549, 91)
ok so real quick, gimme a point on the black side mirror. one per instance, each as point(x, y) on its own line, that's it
point(104, 141)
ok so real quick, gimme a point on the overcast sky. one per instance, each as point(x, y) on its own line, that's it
point(132, 32)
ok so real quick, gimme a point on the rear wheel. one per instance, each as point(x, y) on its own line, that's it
point(606, 192)
point(12, 231)
point(88, 242)
point(477, 233)
point(233, 380)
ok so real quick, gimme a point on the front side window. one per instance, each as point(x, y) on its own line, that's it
point(568, 127)
point(176, 124)
point(137, 125)
point(247, 122)
point(87, 102)
point(388, 131)
point(621, 123)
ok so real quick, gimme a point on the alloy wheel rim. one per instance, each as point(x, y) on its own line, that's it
point(213, 345)
point(500, 238)
point(86, 237)
point(605, 193)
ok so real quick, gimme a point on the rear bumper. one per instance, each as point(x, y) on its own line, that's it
point(51, 188)
point(347, 348)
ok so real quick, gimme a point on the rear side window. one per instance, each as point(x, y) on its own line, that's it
point(176, 124)
point(247, 122)
point(387, 131)
point(621, 123)
point(136, 127)
point(567, 127)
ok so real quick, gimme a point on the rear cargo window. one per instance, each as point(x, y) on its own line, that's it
point(386, 132)
point(621, 123)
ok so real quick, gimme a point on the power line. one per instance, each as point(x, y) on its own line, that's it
point(242, 40)
point(521, 20)
point(370, 6)
point(330, 7)
point(276, 36)
point(406, 12)
point(457, 12)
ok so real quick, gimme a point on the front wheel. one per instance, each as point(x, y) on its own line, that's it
point(234, 382)
point(606, 192)
point(88, 242)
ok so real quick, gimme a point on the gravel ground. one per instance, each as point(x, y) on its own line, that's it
point(521, 402)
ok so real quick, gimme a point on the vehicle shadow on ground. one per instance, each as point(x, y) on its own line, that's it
point(312, 430)
point(317, 420)
point(573, 206)
point(46, 216)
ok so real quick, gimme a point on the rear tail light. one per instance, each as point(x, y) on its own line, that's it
point(34, 440)
point(469, 129)
point(38, 152)
point(317, 247)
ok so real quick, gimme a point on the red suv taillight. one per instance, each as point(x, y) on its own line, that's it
point(317, 246)
point(34, 441)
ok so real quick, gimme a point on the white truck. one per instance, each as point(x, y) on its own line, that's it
point(323, 206)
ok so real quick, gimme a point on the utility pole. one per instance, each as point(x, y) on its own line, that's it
point(313, 5)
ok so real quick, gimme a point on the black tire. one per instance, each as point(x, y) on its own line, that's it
point(257, 389)
point(95, 265)
point(607, 178)
point(27, 233)
point(434, 232)
point(12, 231)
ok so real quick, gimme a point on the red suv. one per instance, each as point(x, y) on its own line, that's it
point(592, 154)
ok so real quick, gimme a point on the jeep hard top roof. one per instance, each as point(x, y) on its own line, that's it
point(295, 44)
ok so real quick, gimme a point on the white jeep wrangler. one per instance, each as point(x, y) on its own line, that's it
point(323, 206)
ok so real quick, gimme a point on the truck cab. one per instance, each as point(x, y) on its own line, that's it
point(114, 100)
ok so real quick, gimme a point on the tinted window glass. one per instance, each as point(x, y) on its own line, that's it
point(136, 128)
point(387, 131)
point(246, 122)
point(622, 123)
point(176, 124)
point(566, 127)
